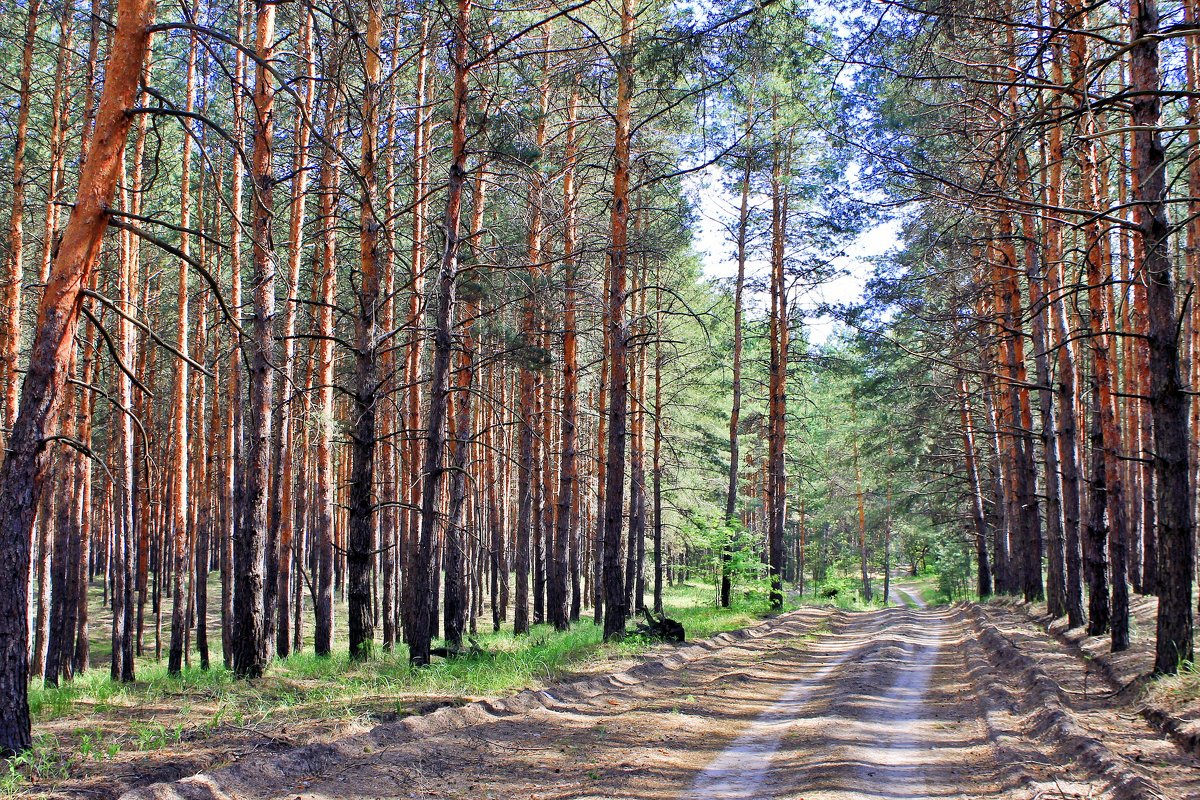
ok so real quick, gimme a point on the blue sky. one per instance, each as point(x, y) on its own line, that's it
point(716, 208)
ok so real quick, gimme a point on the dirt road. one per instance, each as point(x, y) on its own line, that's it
point(817, 704)
point(902, 595)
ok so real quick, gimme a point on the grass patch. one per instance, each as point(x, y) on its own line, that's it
point(93, 720)
point(305, 679)
point(929, 588)
point(1179, 690)
point(161, 711)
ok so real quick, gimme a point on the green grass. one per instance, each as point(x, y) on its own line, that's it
point(93, 719)
point(844, 592)
point(308, 685)
point(928, 588)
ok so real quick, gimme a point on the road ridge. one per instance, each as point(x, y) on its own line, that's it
point(223, 782)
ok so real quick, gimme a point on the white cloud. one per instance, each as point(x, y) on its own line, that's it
point(717, 210)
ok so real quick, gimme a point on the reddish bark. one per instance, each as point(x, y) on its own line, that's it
point(23, 472)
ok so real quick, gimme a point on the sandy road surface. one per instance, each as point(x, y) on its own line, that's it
point(905, 596)
point(815, 705)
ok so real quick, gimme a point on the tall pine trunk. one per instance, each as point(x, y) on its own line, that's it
point(250, 645)
point(433, 468)
point(23, 473)
point(1168, 399)
point(618, 335)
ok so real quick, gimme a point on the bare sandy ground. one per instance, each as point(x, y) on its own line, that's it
point(814, 705)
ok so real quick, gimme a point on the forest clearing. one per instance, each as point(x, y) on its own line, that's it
point(599, 398)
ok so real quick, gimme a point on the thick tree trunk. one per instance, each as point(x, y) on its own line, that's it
point(1168, 400)
point(250, 645)
point(23, 472)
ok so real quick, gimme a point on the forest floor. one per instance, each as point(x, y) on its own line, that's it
point(967, 701)
point(970, 701)
point(97, 739)
point(1170, 704)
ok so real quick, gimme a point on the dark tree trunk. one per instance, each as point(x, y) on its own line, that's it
point(983, 570)
point(1069, 460)
point(250, 645)
point(1095, 550)
point(433, 468)
point(361, 539)
point(525, 498)
point(618, 385)
point(23, 473)
point(1168, 399)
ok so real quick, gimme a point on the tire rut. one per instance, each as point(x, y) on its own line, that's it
point(817, 704)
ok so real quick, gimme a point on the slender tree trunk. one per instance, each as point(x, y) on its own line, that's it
point(1035, 271)
point(282, 508)
point(61, 525)
point(47, 529)
point(983, 570)
point(777, 414)
point(862, 517)
point(657, 462)
point(618, 386)
point(1025, 516)
point(410, 454)
point(568, 487)
point(634, 600)
point(324, 492)
point(362, 479)
point(10, 335)
point(236, 447)
point(1067, 434)
point(999, 503)
point(735, 411)
point(439, 392)
point(179, 412)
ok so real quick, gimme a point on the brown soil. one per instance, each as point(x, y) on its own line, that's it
point(817, 704)
point(1170, 704)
